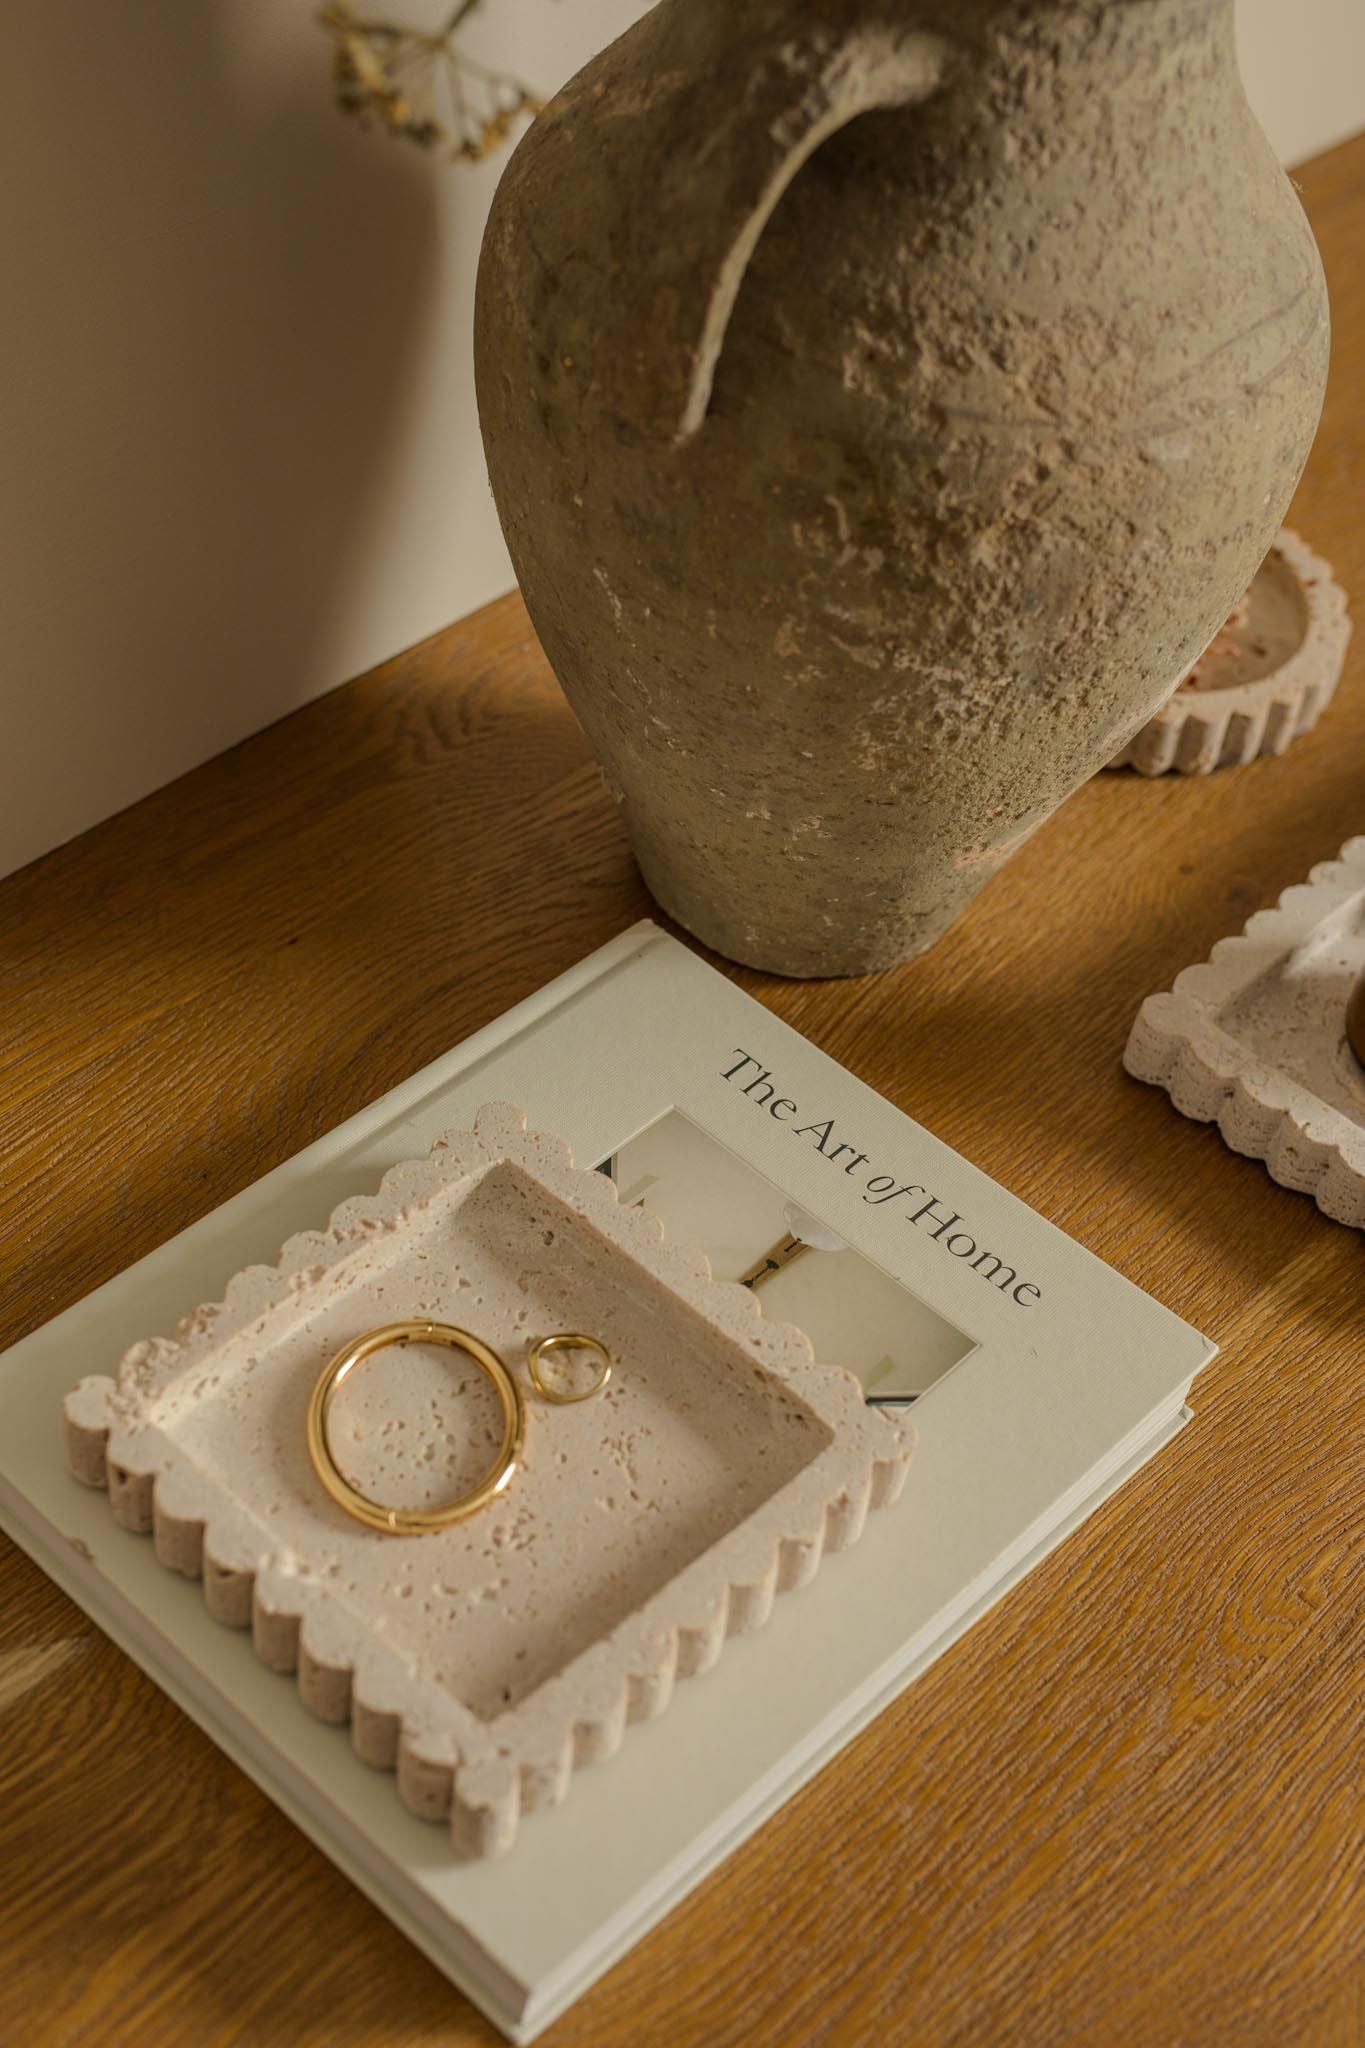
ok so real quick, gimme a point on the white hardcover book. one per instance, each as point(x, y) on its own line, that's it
point(1040, 1380)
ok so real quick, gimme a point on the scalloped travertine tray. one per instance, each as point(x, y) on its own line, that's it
point(486, 1661)
point(1255, 1038)
point(1264, 679)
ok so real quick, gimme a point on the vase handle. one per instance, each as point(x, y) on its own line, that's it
point(741, 113)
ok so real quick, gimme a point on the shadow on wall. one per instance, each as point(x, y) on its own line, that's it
point(216, 290)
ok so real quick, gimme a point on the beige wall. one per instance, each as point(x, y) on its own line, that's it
point(1303, 62)
point(240, 450)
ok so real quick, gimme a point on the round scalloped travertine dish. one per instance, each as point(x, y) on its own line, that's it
point(1264, 679)
point(484, 1662)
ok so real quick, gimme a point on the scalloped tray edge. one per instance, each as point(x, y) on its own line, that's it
point(1176, 1044)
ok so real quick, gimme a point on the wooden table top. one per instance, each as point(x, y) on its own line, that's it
point(1126, 1808)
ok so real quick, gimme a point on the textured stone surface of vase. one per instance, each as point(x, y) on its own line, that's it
point(884, 405)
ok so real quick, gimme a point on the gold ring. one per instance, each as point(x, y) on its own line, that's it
point(568, 1340)
point(415, 1521)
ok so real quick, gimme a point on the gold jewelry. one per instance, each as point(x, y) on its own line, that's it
point(419, 1521)
point(567, 1340)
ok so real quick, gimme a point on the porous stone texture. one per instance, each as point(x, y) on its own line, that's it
point(1254, 1039)
point(884, 405)
point(484, 1662)
point(1355, 1019)
point(1265, 677)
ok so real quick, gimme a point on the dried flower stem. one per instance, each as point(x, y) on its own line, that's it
point(420, 86)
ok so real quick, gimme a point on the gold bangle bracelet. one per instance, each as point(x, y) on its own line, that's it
point(396, 1521)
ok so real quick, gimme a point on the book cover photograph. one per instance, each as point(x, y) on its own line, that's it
point(801, 1269)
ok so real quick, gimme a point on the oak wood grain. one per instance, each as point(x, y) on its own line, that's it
point(1127, 1808)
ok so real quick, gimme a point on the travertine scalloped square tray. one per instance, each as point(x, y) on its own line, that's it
point(485, 1662)
point(1254, 1038)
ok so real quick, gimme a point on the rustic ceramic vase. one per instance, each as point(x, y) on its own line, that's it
point(885, 401)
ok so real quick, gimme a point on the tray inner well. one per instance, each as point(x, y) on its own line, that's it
point(614, 1496)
